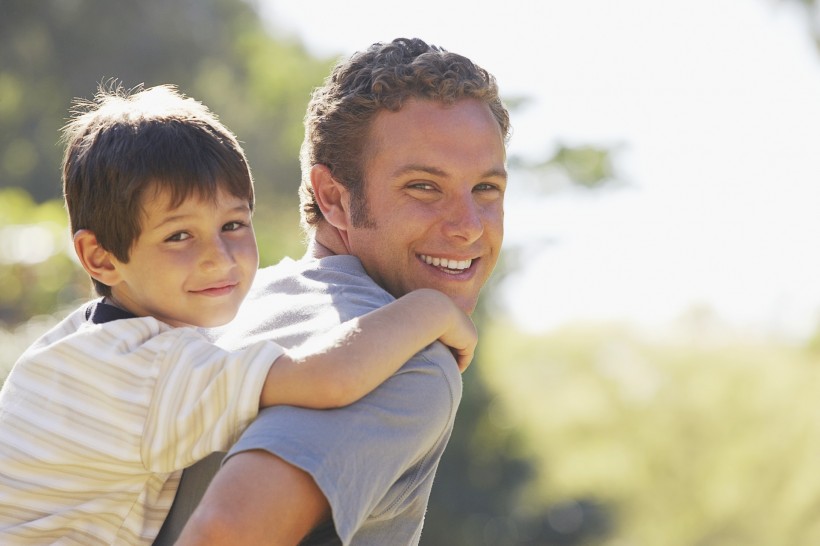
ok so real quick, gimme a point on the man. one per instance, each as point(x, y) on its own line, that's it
point(403, 186)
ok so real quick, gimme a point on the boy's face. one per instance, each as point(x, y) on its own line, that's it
point(435, 182)
point(191, 265)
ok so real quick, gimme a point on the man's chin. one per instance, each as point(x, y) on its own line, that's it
point(465, 303)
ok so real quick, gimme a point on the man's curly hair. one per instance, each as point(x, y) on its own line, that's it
point(385, 75)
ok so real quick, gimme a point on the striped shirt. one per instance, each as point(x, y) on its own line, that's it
point(98, 420)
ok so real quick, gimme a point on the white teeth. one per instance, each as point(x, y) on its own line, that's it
point(446, 263)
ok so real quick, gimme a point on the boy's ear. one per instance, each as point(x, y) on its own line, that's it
point(96, 260)
point(333, 198)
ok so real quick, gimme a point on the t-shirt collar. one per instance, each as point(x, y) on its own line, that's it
point(100, 312)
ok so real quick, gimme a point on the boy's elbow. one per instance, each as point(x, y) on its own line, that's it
point(209, 527)
point(337, 391)
point(334, 397)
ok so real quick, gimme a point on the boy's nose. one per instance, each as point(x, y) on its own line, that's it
point(217, 255)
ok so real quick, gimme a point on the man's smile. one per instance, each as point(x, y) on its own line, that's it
point(446, 263)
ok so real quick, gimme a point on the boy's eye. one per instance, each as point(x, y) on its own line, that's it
point(181, 236)
point(232, 226)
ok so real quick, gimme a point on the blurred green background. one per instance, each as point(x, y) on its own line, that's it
point(599, 434)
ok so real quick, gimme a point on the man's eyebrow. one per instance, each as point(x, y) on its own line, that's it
point(435, 171)
point(496, 173)
point(417, 168)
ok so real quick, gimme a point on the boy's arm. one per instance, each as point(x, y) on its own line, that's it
point(355, 358)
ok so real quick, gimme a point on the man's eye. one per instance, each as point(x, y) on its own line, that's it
point(421, 186)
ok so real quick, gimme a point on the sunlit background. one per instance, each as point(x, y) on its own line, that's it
point(711, 109)
point(648, 371)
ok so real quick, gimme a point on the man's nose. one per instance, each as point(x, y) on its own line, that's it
point(464, 219)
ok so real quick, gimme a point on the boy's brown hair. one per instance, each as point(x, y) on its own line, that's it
point(124, 143)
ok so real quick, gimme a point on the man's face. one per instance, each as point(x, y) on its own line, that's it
point(434, 181)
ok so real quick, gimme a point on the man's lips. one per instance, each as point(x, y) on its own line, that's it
point(447, 264)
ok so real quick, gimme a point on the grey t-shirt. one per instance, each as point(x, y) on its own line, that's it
point(374, 460)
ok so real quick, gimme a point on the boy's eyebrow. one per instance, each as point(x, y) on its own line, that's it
point(243, 208)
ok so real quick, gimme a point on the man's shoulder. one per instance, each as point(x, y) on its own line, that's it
point(293, 300)
point(346, 267)
point(338, 280)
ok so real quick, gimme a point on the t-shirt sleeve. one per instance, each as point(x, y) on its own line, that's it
point(369, 458)
point(204, 397)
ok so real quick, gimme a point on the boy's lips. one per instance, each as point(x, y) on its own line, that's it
point(220, 289)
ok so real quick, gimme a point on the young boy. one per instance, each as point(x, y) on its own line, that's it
point(101, 414)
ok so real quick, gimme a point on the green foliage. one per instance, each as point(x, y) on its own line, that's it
point(39, 276)
point(812, 16)
point(215, 50)
point(588, 166)
point(480, 474)
point(684, 442)
point(37, 269)
point(277, 233)
point(585, 166)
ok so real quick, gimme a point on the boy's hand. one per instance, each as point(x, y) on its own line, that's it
point(461, 338)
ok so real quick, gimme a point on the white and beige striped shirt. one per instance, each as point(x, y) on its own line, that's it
point(98, 420)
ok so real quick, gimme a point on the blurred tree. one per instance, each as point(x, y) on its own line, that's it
point(215, 50)
point(583, 166)
point(812, 15)
point(683, 440)
point(37, 271)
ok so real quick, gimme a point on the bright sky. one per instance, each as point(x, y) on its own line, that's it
point(714, 106)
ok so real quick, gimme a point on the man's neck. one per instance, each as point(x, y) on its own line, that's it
point(316, 249)
point(326, 241)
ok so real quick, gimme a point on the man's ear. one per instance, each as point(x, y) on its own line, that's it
point(333, 198)
point(97, 261)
